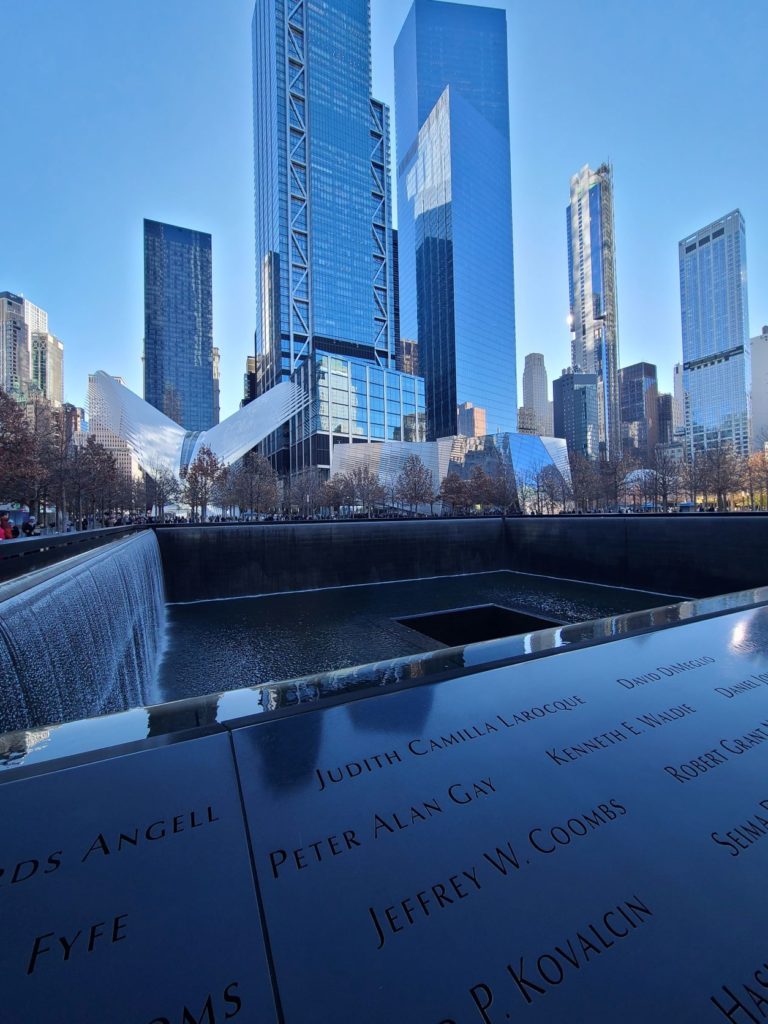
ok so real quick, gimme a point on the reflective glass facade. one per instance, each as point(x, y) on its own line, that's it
point(455, 210)
point(575, 412)
point(524, 455)
point(353, 400)
point(639, 398)
point(178, 324)
point(48, 367)
point(665, 419)
point(592, 292)
point(322, 186)
point(717, 376)
point(324, 261)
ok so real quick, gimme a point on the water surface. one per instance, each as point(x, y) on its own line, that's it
point(223, 645)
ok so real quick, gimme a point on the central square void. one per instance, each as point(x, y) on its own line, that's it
point(459, 626)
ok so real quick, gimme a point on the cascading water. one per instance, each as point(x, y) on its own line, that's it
point(86, 641)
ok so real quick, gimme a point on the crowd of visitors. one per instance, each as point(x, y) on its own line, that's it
point(10, 530)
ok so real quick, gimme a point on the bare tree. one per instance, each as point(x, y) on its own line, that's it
point(666, 467)
point(724, 473)
point(224, 490)
point(555, 489)
point(586, 482)
point(255, 484)
point(756, 478)
point(503, 488)
point(366, 488)
point(305, 492)
point(338, 492)
point(97, 480)
point(613, 474)
point(53, 450)
point(163, 487)
point(389, 484)
point(415, 485)
point(693, 476)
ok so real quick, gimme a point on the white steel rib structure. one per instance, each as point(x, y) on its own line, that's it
point(158, 442)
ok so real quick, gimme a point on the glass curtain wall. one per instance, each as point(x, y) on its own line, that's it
point(455, 210)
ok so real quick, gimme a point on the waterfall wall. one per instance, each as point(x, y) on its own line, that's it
point(695, 555)
point(86, 640)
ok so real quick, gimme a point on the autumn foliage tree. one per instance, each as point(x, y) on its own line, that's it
point(200, 478)
point(454, 493)
point(19, 466)
point(338, 492)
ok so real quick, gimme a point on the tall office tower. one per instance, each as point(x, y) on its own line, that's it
point(249, 381)
point(576, 413)
point(665, 419)
point(455, 209)
point(36, 318)
point(638, 396)
point(14, 345)
point(471, 421)
point(178, 324)
point(216, 368)
point(759, 347)
point(592, 288)
point(47, 373)
point(536, 394)
point(678, 400)
point(37, 323)
point(324, 261)
point(715, 321)
point(100, 431)
point(74, 421)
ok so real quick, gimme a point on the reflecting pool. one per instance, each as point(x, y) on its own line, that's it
point(223, 645)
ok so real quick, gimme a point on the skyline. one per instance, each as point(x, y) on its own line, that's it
point(177, 148)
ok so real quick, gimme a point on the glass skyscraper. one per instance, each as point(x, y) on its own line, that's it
point(592, 292)
point(178, 324)
point(639, 400)
point(536, 404)
point(15, 353)
point(47, 374)
point(455, 210)
point(324, 259)
point(717, 376)
point(575, 411)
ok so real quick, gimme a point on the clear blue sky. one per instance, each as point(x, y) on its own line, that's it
point(116, 112)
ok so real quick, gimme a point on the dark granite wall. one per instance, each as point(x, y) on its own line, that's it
point(697, 555)
point(225, 561)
